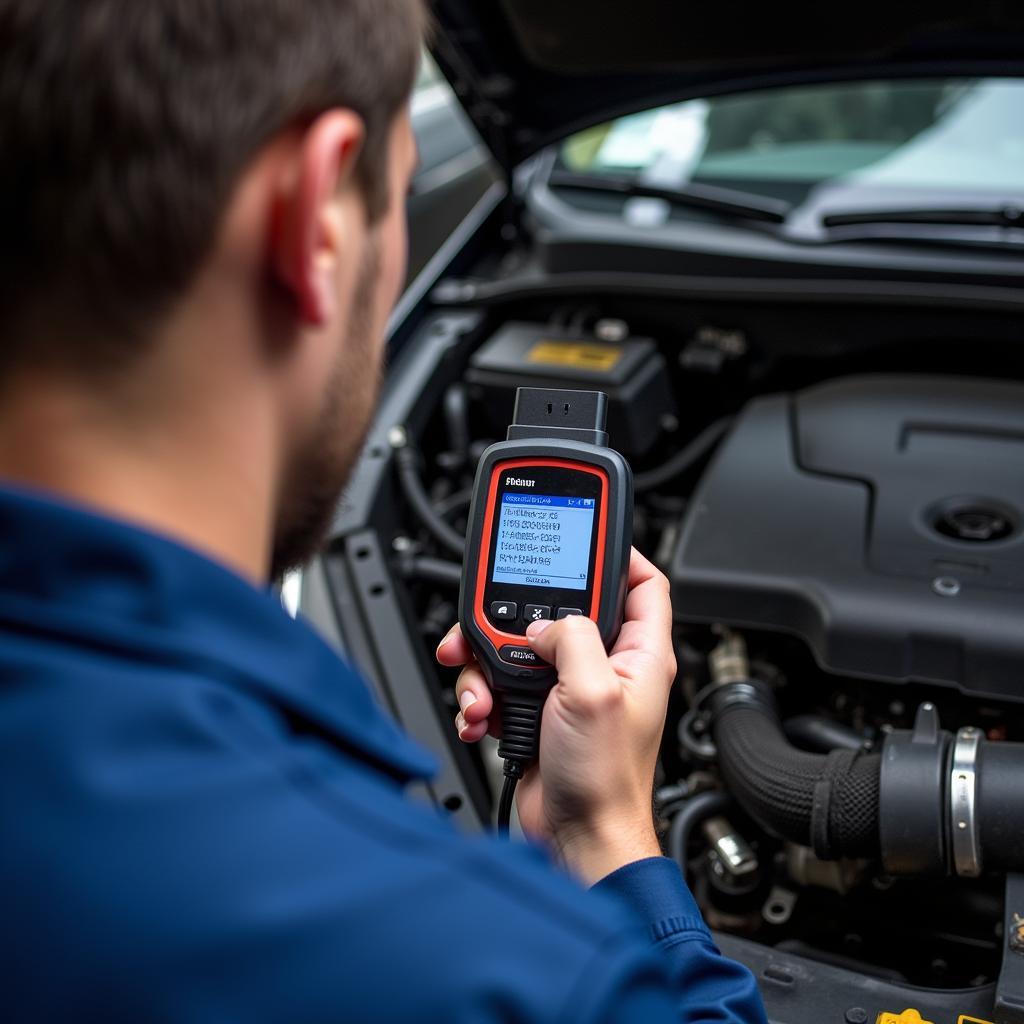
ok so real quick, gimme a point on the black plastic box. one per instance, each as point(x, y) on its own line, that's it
point(632, 373)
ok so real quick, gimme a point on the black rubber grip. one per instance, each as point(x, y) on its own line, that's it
point(520, 726)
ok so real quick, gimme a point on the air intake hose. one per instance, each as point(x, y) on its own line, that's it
point(931, 803)
point(828, 802)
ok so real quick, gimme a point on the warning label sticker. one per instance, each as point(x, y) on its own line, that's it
point(580, 355)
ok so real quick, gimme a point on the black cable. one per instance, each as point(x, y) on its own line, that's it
point(695, 810)
point(416, 495)
point(679, 463)
point(518, 746)
point(508, 791)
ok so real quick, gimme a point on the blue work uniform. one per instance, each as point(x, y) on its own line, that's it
point(204, 821)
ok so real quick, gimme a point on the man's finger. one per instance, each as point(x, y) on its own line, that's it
point(648, 598)
point(470, 733)
point(574, 647)
point(640, 569)
point(647, 621)
point(474, 696)
point(453, 650)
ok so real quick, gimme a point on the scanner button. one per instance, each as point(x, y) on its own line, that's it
point(536, 612)
point(504, 611)
point(564, 613)
point(513, 655)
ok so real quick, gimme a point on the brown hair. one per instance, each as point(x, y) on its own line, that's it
point(125, 125)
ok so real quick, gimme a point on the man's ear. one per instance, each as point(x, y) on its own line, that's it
point(305, 246)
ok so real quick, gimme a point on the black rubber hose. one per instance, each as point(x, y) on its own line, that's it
point(432, 570)
point(697, 449)
point(457, 502)
point(829, 802)
point(456, 414)
point(416, 495)
point(695, 810)
point(821, 734)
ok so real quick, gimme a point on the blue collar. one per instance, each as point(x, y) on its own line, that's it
point(76, 577)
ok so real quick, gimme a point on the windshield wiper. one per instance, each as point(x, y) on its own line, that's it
point(731, 202)
point(994, 227)
point(1006, 216)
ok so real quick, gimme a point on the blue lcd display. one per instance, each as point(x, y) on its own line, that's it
point(544, 541)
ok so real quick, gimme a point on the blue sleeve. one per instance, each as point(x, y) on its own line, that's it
point(706, 987)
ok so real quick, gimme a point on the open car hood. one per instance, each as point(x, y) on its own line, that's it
point(530, 72)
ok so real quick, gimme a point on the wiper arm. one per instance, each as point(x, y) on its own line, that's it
point(1006, 216)
point(731, 202)
point(994, 227)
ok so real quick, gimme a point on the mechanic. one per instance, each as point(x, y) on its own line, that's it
point(204, 819)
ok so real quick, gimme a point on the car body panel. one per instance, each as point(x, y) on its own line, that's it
point(530, 72)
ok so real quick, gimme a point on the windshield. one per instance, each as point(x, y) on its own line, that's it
point(918, 139)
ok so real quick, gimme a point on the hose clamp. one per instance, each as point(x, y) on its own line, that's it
point(963, 803)
point(717, 698)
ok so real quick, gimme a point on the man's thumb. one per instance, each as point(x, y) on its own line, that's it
point(573, 645)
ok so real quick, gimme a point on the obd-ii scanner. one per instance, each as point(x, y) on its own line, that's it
point(550, 529)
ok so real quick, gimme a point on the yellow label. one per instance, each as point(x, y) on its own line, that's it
point(964, 1019)
point(581, 355)
point(906, 1017)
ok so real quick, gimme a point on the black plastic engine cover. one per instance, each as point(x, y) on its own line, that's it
point(881, 519)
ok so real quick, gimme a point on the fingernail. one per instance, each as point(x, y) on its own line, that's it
point(536, 628)
point(451, 634)
point(460, 724)
point(467, 700)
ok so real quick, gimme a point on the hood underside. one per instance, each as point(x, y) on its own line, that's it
point(530, 72)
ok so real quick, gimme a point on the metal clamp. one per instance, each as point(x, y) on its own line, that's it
point(963, 821)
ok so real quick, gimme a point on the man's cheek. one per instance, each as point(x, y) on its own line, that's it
point(394, 264)
point(401, 247)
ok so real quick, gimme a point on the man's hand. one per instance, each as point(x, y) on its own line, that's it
point(591, 794)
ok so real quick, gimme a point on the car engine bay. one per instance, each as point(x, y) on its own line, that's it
point(834, 493)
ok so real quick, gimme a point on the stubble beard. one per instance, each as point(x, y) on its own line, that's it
point(316, 478)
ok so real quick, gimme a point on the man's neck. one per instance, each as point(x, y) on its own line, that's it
point(205, 481)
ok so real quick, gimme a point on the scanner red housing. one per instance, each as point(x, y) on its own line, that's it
point(499, 638)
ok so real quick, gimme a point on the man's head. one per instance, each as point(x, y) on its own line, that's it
point(180, 167)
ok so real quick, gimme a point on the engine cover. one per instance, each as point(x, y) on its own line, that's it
point(880, 518)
